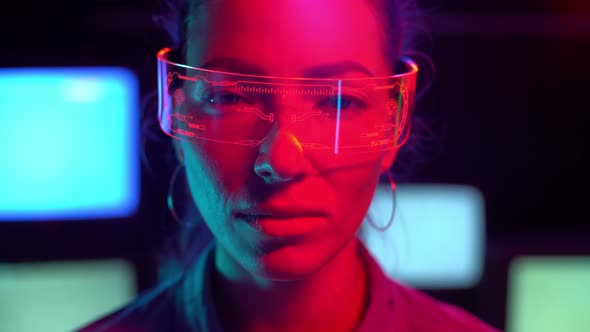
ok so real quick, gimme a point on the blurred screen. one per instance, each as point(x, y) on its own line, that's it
point(548, 294)
point(437, 237)
point(61, 296)
point(68, 143)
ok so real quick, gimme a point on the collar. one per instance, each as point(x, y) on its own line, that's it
point(383, 312)
point(198, 305)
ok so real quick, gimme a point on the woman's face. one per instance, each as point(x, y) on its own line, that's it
point(278, 211)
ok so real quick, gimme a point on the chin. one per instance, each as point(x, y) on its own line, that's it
point(290, 263)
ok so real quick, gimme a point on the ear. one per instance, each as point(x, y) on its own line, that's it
point(387, 160)
point(178, 150)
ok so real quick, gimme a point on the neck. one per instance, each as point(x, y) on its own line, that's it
point(333, 298)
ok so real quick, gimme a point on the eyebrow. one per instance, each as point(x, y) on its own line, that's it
point(321, 71)
point(233, 65)
point(335, 69)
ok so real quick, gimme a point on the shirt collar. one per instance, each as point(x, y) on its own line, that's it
point(199, 306)
point(384, 312)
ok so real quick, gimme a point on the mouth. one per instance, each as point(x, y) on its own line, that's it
point(277, 224)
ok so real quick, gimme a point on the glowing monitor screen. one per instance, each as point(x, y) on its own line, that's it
point(62, 296)
point(548, 294)
point(68, 143)
point(437, 237)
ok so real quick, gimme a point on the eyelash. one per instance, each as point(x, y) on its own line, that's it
point(346, 102)
point(213, 96)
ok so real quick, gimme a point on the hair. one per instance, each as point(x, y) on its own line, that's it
point(405, 28)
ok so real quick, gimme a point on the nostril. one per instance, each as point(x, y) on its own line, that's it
point(272, 171)
point(263, 169)
point(265, 174)
point(280, 157)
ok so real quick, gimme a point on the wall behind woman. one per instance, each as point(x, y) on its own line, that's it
point(511, 86)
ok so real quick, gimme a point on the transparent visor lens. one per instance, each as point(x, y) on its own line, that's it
point(324, 115)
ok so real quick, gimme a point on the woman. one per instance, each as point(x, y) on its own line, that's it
point(284, 115)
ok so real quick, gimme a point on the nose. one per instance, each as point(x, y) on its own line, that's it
point(280, 157)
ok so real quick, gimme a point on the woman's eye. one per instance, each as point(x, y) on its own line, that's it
point(224, 98)
point(346, 102)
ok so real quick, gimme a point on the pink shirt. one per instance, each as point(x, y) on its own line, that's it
point(398, 308)
point(393, 307)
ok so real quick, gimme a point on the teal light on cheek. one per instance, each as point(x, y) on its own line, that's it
point(68, 143)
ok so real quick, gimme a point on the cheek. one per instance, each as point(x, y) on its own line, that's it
point(204, 185)
point(215, 176)
point(354, 190)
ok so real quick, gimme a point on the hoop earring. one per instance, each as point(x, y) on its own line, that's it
point(170, 195)
point(393, 199)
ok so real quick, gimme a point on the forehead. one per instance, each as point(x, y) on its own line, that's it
point(286, 37)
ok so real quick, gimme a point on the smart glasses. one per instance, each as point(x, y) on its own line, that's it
point(323, 115)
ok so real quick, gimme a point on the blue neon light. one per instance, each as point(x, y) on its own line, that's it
point(338, 107)
point(437, 238)
point(68, 143)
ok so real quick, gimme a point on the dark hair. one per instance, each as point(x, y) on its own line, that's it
point(405, 26)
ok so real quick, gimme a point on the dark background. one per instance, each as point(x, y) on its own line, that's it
point(507, 108)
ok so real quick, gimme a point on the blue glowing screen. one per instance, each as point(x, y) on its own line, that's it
point(437, 237)
point(68, 143)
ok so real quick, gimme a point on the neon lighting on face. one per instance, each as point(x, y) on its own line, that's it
point(360, 114)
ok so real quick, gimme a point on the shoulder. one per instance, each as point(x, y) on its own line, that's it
point(151, 311)
point(424, 313)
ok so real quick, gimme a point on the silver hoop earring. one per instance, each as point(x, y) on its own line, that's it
point(170, 195)
point(393, 200)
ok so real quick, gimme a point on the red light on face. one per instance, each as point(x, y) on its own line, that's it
point(286, 103)
point(359, 113)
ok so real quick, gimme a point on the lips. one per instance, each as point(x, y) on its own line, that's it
point(275, 222)
point(280, 213)
point(275, 214)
